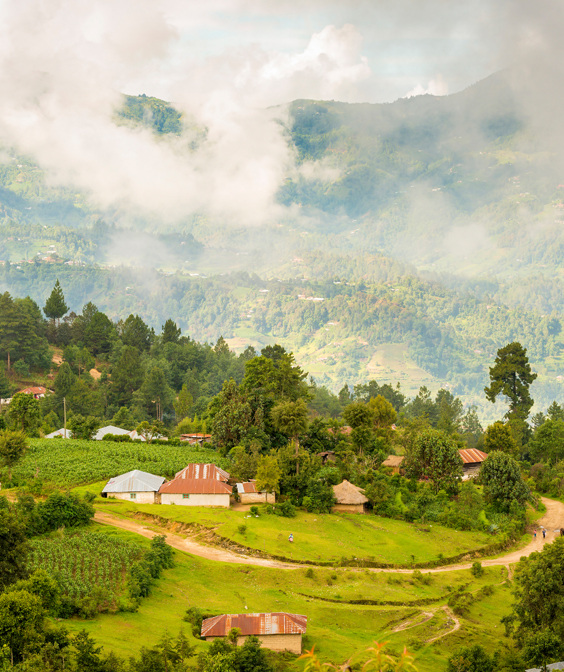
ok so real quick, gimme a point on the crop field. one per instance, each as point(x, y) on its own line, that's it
point(319, 537)
point(85, 560)
point(73, 462)
point(339, 629)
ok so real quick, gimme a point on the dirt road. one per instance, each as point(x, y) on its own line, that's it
point(553, 520)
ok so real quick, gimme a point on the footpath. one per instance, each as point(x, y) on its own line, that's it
point(552, 521)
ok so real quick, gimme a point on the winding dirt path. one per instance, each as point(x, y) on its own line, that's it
point(552, 521)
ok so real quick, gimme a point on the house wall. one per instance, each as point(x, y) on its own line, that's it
point(141, 498)
point(291, 643)
point(196, 500)
point(257, 497)
point(349, 508)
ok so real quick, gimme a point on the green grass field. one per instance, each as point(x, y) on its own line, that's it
point(338, 630)
point(318, 537)
point(70, 462)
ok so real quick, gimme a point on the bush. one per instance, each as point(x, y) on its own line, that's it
point(309, 573)
point(477, 569)
point(255, 510)
point(242, 529)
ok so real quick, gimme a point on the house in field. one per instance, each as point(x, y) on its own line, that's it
point(395, 462)
point(196, 492)
point(276, 631)
point(248, 494)
point(203, 471)
point(136, 486)
point(472, 461)
point(350, 499)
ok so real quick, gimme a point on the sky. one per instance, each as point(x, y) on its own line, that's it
point(230, 66)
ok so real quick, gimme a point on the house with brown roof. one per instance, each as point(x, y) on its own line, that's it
point(277, 631)
point(203, 471)
point(248, 494)
point(350, 498)
point(197, 439)
point(472, 461)
point(196, 492)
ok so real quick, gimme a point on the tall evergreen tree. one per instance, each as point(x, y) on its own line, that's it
point(55, 306)
point(511, 376)
point(171, 333)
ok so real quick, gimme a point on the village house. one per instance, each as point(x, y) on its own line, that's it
point(472, 461)
point(196, 492)
point(350, 499)
point(248, 494)
point(394, 461)
point(137, 486)
point(203, 471)
point(195, 439)
point(327, 456)
point(276, 631)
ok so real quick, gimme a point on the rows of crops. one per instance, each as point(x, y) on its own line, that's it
point(85, 560)
point(74, 462)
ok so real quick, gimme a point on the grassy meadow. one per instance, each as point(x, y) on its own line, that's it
point(317, 537)
point(338, 630)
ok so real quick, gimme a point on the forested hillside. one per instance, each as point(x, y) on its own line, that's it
point(427, 235)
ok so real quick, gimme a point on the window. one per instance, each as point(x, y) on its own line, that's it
point(185, 496)
point(132, 495)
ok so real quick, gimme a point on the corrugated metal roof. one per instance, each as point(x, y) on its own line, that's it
point(203, 471)
point(471, 455)
point(33, 390)
point(195, 486)
point(134, 481)
point(246, 487)
point(110, 429)
point(552, 666)
point(59, 432)
point(278, 623)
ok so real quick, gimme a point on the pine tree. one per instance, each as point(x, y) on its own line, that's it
point(55, 306)
point(511, 377)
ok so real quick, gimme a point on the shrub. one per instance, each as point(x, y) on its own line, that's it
point(242, 529)
point(309, 573)
point(255, 510)
point(477, 569)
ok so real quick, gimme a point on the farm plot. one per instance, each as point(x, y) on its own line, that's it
point(83, 561)
point(73, 462)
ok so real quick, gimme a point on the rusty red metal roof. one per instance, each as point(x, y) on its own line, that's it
point(195, 486)
point(33, 390)
point(203, 471)
point(246, 487)
point(346, 430)
point(471, 455)
point(278, 623)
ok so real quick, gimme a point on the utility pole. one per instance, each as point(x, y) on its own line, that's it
point(65, 417)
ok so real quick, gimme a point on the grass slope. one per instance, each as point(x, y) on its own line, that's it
point(339, 631)
point(318, 537)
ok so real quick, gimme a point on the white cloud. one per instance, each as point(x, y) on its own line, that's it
point(63, 64)
point(436, 87)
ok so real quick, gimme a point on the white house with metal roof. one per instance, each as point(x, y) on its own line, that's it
point(136, 486)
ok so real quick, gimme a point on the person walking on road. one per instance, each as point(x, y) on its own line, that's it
point(543, 533)
point(535, 535)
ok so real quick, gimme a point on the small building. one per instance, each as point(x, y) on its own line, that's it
point(350, 498)
point(203, 471)
point(472, 461)
point(248, 494)
point(552, 666)
point(327, 456)
point(63, 433)
point(197, 439)
point(36, 392)
point(196, 492)
point(276, 631)
point(395, 462)
point(110, 429)
point(344, 431)
point(137, 486)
